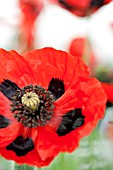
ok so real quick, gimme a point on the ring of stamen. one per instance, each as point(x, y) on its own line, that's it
point(32, 106)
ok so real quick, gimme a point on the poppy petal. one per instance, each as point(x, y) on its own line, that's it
point(47, 148)
point(6, 136)
point(31, 158)
point(21, 146)
point(8, 121)
point(4, 122)
point(70, 122)
point(15, 68)
point(108, 88)
point(56, 86)
point(64, 67)
point(8, 87)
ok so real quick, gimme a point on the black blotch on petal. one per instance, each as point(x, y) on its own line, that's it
point(4, 122)
point(56, 86)
point(109, 104)
point(8, 87)
point(65, 4)
point(21, 146)
point(96, 3)
point(70, 122)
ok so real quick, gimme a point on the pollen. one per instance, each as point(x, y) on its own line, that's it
point(31, 100)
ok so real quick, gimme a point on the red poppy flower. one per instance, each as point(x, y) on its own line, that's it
point(77, 46)
point(105, 76)
point(80, 47)
point(30, 11)
point(82, 8)
point(109, 91)
point(48, 104)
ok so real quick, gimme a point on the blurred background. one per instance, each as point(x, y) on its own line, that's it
point(85, 32)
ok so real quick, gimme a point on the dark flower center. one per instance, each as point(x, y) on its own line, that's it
point(32, 106)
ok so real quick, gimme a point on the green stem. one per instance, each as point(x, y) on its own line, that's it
point(12, 164)
point(23, 167)
point(35, 168)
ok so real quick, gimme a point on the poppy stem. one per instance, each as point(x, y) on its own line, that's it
point(23, 167)
point(12, 165)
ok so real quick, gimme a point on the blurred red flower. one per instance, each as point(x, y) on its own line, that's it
point(82, 8)
point(111, 25)
point(109, 91)
point(30, 10)
point(77, 46)
point(48, 103)
point(81, 47)
point(105, 76)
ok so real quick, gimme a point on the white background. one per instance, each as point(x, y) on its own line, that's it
point(56, 27)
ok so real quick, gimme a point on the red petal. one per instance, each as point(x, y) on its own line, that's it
point(79, 4)
point(32, 158)
point(6, 133)
point(108, 88)
point(48, 140)
point(48, 63)
point(54, 144)
point(15, 68)
point(77, 46)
